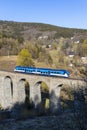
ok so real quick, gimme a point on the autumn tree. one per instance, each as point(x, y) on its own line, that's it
point(83, 71)
point(79, 50)
point(34, 49)
point(85, 47)
point(25, 58)
point(45, 57)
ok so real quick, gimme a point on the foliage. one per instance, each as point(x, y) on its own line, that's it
point(66, 97)
point(61, 57)
point(84, 45)
point(34, 49)
point(79, 50)
point(47, 104)
point(20, 39)
point(25, 58)
point(83, 71)
point(44, 87)
point(0, 107)
point(16, 29)
point(44, 56)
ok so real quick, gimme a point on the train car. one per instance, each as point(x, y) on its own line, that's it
point(24, 69)
point(62, 73)
point(42, 71)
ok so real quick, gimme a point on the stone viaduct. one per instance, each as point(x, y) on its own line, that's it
point(12, 88)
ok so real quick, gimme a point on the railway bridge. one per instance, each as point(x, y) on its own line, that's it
point(12, 88)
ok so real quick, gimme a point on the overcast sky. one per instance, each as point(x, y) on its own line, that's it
point(65, 13)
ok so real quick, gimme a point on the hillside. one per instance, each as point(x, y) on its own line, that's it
point(35, 30)
point(48, 45)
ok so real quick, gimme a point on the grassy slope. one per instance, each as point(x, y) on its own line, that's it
point(7, 63)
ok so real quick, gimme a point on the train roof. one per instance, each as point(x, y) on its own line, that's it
point(43, 68)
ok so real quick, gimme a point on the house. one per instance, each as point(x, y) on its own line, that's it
point(84, 60)
point(71, 54)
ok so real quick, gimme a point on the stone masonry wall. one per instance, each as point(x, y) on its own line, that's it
point(12, 88)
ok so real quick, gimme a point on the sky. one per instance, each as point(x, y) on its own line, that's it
point(64, 13)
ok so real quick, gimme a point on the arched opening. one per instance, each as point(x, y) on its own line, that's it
point(41, 97)
point(66, 98)
point(24, 104)
point(45, 95)
point(8, 92)
point(23, 91)
point(55, 99)
point(28, 102)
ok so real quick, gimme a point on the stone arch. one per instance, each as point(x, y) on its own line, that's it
point(66, 97)
point(37, 94)
point(45, 96)
point(41, 93)
point(23, 88)
point(55, 97)
point(8, 92)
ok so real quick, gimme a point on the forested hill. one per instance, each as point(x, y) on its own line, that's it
point(28, 31)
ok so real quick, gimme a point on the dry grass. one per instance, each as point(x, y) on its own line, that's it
point(8, 58)
point(8, 63)
point(54, 55)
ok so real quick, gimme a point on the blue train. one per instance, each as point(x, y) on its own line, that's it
point(42, 71)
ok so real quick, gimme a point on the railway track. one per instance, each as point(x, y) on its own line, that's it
point(71, 78)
